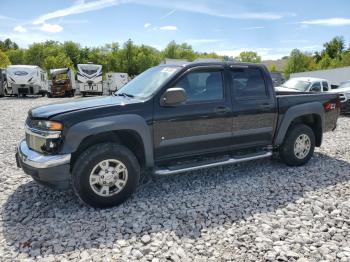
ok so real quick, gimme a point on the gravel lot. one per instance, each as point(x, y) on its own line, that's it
point(255, 211)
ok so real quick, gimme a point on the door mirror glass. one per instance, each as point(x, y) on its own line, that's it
point(173, 96)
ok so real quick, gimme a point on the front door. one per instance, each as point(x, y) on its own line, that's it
point(202, 124)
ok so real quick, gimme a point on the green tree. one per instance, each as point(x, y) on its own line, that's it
point(345, 61)
point(179, 51)
point(272, 68)
point(7, 45)
point(72, 50)
point(35, 54)
point(249, 56)
point(298, 62)
point(16, 56)
point(58, 61)
point(334, 48)
point(4, 60)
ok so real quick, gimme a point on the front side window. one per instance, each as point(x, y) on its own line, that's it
point(248, 83)
point(316, 87)
point(202, 86)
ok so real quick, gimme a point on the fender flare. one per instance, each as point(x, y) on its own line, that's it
point(78, 132)
point(314, 108)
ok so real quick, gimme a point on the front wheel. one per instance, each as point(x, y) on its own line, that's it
point(298, 146)
point(105, 175)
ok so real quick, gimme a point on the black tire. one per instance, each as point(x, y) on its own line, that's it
point(83, 94)
point(43, 94)
point(286, 150)
point(49, 95)
point(86, 163)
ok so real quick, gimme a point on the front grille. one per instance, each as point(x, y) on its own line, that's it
point(23, 90)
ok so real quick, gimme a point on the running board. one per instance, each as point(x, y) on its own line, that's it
point(168, 171)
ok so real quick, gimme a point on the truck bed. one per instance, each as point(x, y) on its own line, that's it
point(287, 99)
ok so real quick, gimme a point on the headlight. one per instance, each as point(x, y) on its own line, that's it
point(47, 125)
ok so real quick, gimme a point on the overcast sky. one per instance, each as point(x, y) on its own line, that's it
point(270, 27)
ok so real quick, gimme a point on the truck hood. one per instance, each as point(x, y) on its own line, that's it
point(51, 110)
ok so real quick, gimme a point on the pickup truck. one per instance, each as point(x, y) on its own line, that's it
point(305, 84)
point(171, 119)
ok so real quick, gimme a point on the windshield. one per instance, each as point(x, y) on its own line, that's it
point(89, 71)
point(296, 84)
point(148, 82)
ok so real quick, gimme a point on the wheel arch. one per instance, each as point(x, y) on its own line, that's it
point(310, 114)
point(129, 130)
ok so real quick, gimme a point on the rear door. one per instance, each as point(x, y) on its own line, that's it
point(254, 107)
point(202, 124)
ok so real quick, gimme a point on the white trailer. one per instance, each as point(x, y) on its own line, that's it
point(116, 80)
point(89, 78)
point(335, 76)
point(26, 80)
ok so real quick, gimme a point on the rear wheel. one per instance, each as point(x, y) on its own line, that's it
point(105, 175)
point(298, 146)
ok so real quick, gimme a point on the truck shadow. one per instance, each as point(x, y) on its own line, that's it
point(37, 218)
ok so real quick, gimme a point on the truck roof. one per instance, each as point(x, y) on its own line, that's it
point(310, 79)
point(23, 66)
point(208, 63)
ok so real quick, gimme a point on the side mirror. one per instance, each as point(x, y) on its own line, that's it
point(173, 96)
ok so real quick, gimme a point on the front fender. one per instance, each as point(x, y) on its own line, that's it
point(314, 108)
point(136, 123)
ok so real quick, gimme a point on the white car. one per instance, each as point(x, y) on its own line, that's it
point(304, 84)
point(344, 94)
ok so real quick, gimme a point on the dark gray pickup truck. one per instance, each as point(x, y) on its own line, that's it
point(171, 119)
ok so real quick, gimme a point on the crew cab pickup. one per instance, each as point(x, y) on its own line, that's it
point(171, 119)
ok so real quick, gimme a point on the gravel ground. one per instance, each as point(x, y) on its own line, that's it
point(255, 211)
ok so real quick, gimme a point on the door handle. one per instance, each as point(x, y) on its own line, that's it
point(222, 110)
point(265, 106)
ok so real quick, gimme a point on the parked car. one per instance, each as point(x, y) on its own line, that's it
point(63, 83)
point(304, 84)
point(171, 119)
point(26, 80)
point(277, 78)
point(344, 93)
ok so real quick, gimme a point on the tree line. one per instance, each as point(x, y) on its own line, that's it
point(134, 59)
point(129, 57)
point(334, 54)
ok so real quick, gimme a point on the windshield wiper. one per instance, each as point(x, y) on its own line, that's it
point(125, 94)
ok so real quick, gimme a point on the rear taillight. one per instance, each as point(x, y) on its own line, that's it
point(330, 106)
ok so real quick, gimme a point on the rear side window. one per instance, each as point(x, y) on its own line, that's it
point(202, 86)
point(325, 86)
point(248, 83)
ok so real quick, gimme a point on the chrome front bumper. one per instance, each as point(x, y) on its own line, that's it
point(38, 160)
